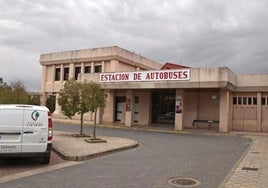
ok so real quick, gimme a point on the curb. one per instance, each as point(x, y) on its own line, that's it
point(150, 129)
point(91, 156)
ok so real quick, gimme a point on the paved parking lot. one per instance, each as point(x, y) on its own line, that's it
point(16, 165)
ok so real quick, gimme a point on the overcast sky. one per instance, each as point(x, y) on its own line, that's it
point(196, 33)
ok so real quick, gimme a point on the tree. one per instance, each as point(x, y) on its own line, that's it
point(34, 98)
point(19, 94)
point(14, 94)
point(2, 84)
point(81, 98)
point(5, 91)
point(71, 101)
point(94, 96)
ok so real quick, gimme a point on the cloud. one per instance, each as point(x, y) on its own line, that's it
point(196, 33)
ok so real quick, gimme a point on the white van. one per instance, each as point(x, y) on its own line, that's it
point(25, 131)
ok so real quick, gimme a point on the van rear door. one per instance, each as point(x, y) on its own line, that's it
point(35, 130)
point(11, 120)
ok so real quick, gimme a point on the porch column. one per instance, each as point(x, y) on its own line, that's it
point(129, 108)
point(224, 111)
point(179, 112)
point(61, 73)
point(92, 67)
point(103, 68)
point(109, 110)
point(144, 108)
point(43, 98)
point(99, 116)
point(58, 108)
point(71, 71)
point(259, 113)
point(82, 78)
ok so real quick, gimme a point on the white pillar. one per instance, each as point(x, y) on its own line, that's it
point(58, 108)
point(82, 78)
point(71, 71)
point(92, 67)
point(61, 73)
point(224, 111)
point(259, 113)
point(109, 110)
point(179, 112)
point(99, 116)
point(43, 86)
point(129, 108)
point(103, 66)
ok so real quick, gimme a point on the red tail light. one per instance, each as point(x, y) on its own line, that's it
point(50, 131)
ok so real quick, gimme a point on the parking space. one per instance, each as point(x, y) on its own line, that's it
point(16, 165)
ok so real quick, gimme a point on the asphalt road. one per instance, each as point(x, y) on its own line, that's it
point(160, 157)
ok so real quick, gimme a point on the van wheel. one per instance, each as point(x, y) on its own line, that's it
point(46, 159)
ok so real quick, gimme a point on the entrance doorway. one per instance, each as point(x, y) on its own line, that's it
point(119, 108)
point(163, 106)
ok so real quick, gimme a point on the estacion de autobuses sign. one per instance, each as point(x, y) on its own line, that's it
point(146, 76)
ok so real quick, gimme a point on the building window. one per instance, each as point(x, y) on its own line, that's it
point(254, 100)
point(57, 74)
point(87, 69)
point(77, 71)
point(98, 68)
point(136, 99)
point(66, 73)
point(239, 100)
point(234, 100)
point(244, 100)
point(249, 101)
point(263, 101)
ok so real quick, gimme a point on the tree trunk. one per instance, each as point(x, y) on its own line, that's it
point(94, 127)
point(81, 123)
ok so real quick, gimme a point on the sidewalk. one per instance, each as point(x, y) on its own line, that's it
point(252, 170)
point(76, 149)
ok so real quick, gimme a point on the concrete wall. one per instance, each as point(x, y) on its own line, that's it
point(252, 83)
point(246, 116)
point(212, 74)
point(200, 105)
point(190, 108)
point(144, 107)
point(99, 54)
point(124, 67)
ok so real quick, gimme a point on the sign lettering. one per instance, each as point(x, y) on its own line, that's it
point(146, 76)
